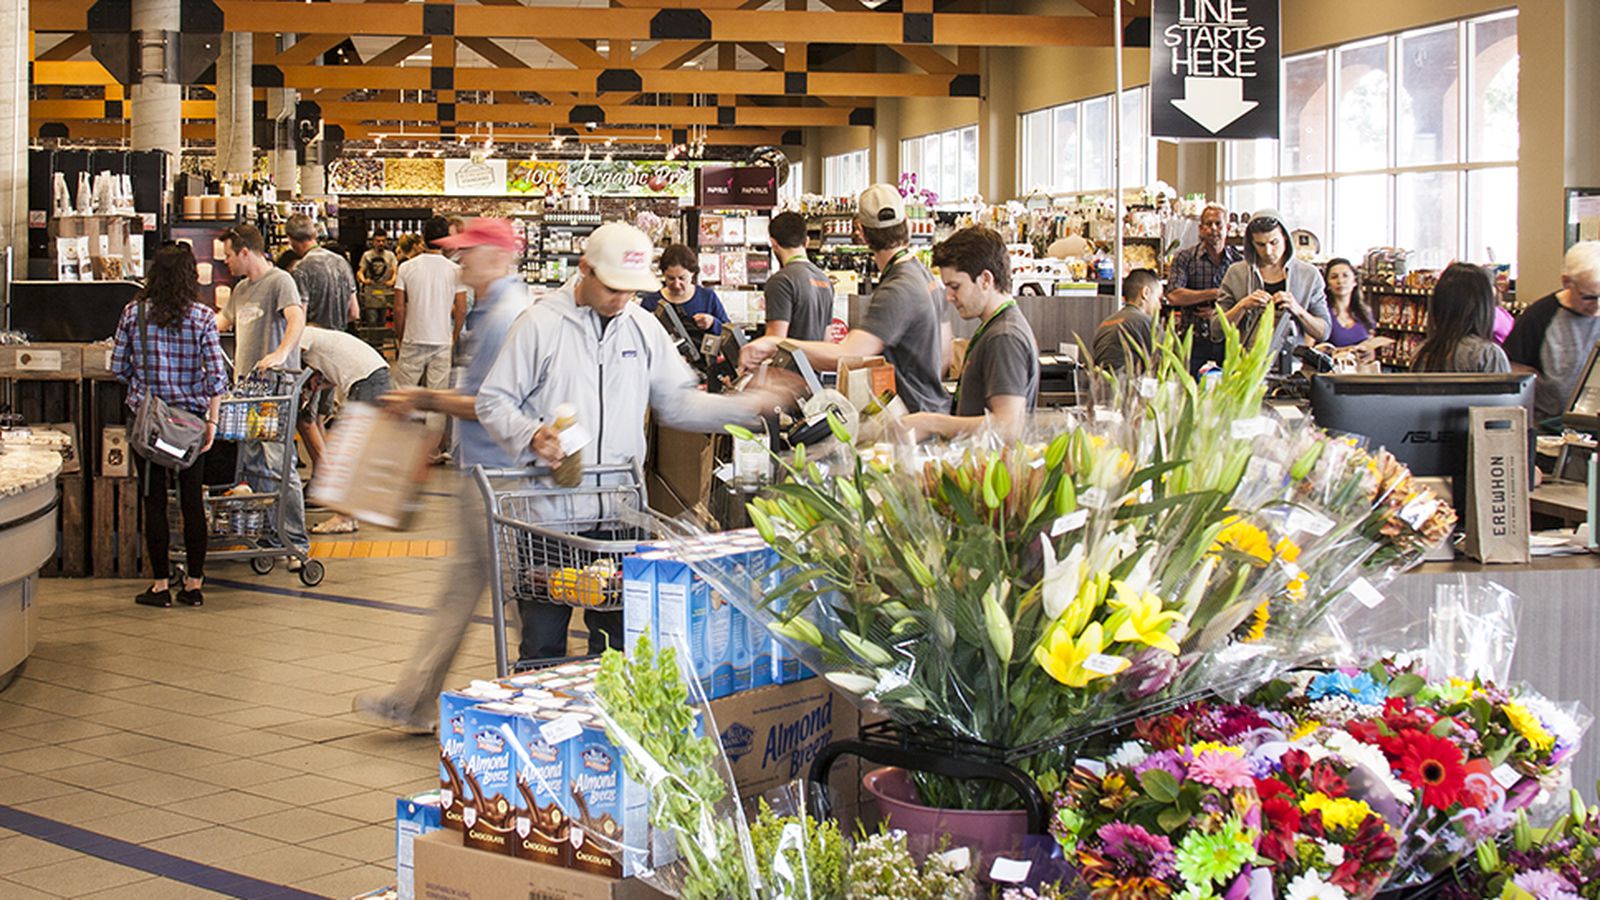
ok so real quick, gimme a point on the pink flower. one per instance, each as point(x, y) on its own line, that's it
point(1223, 770)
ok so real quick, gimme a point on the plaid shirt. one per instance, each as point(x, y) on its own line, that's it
point(1194, 269)
point(185, 364)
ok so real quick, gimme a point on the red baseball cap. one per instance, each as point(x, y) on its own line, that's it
point(483, 232)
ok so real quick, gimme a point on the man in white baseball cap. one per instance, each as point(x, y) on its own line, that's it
point(588, 346)
point(905, 320)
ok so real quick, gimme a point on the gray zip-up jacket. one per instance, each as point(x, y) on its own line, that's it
point(1304, 283)
point(556, 353)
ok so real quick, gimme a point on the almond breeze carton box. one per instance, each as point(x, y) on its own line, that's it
point(489, 818)
point(639, 597)
point(542, 829)
point(610, 836)
point(684, 619)
point(453, 706)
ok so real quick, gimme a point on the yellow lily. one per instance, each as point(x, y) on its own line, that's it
point(1063, 658)
point(1147, 622)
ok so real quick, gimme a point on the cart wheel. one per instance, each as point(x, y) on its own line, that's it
point(311, 573)
point(261, 565)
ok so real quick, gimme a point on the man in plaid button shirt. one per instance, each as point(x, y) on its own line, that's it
point(1194, 277)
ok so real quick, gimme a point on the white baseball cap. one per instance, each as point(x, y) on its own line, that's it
point(620, 255)
point(881, 206)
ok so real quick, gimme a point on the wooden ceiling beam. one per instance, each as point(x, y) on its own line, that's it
point(495, 54)
point(747, 137)
point(664, 81)
point(394, 55)
point(69, 47)
point(766, 53)
point(576, 52)
point(670, 54)
point(560, 114)
point(927, 59)
point(309, 48)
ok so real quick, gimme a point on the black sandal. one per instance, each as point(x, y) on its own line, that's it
point(153, 597)
point(191, 597)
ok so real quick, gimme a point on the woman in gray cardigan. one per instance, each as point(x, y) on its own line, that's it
point(1270, 274)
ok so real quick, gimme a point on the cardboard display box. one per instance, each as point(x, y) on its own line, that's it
point(446, 870)
point(62, 362)
point(772, 734)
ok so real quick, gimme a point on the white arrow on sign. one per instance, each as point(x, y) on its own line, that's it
point(1215, 103)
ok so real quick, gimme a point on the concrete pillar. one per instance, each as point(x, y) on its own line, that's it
point(886, 142)
point(1583, 72)
point(313, 175)
point(14, 135)
point(1541, 109)
point(811, 155)
point(997, 124)
point(235, 107)
point(156, 107)
point(283, 166)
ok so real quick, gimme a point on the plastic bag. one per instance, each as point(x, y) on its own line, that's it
point(1472, 631)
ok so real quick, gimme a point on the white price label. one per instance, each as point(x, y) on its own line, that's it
point(1010, 871)
point(1093, 497)
point(560, 730)
point(1289, 413)
point(1072, 521)
point(1366, 594)
point(1310, 522)
point(1109, 416)
point(959, 859)
point(1148, 387)
point(1252, 428)
point(1418, 510)
point(1102, 664)
point(574, 438)
point(1506, 776)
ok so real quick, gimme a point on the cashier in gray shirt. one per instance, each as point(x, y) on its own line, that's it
point(1000, 381)
point(799, 295)
point(905, 319)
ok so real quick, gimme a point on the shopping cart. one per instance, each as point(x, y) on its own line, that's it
point(247, 526)
point(550, 544)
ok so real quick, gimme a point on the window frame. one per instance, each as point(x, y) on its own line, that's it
point(1045, 118)
point(847, 174)
point(914, 157)
point(1462, 165)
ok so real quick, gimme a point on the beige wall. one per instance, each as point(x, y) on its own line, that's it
point(1541, 101)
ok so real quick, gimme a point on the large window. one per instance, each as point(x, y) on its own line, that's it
point(945, 163)
point(795, 186)
point(1067, 149)
point(846, 174)
point(1407, 140)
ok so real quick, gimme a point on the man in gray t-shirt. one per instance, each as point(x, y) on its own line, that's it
point(324, 277)
point(799, 295)
point(904, 322)
point(1125, 340)
point(1000, 381)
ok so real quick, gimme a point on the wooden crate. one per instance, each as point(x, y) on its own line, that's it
point(72, 541)
point(115, 507)
point(51, 362)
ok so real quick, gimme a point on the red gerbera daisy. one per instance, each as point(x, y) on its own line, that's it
point(1435, 766)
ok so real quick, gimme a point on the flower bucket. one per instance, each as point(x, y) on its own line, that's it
point(989, 831)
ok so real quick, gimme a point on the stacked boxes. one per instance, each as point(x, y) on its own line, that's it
point(727, 651)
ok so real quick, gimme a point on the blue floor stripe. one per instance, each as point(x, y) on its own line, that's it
point(144, 859)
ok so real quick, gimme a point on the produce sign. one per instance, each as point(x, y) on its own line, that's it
point(499, 177)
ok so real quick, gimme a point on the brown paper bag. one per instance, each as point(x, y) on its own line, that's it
point(1496, 520)
point(374, 466)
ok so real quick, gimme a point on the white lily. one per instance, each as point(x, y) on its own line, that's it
point(1061, 578)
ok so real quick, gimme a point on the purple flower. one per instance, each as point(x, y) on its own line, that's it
point(1544, 884)
point(1220, 769)
point(1133, 846)
point(1150, 671)
point(1167, 760)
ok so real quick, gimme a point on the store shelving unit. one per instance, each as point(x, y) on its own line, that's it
point(1402, 314)
point(733, 245)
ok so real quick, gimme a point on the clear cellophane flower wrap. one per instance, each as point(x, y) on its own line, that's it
point(701, 841)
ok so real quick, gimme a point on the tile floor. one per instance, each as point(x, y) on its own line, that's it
point(222, 735)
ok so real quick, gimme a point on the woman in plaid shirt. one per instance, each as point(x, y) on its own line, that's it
point(178, 357)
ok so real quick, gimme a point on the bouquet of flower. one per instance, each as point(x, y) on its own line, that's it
point(1169, 823)
point(1561, 864)
point(1318, 832)
point(1016, 592)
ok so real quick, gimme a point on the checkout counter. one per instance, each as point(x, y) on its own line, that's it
point(28, 509)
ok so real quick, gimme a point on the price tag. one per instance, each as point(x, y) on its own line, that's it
point(560, 730)
point(1252, 428)
point(1366, 594)
point(1109, 416)
point(1072, 521)
point(1102, 664)
point(1148, 387)
point(1289, 413)
point(1010, 871)
point(959, 859)
point(1310, 522)
point(1506, 776)
point(1418, 510)
point(1093, 497)
point(1292, 570)
point(1263, 470)
point(574, 438)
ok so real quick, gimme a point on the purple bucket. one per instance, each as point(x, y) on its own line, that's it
point(989, 831)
